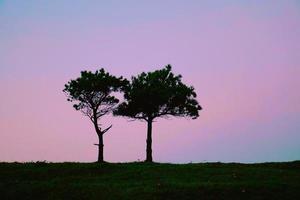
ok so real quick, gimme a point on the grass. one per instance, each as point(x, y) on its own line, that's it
point(149, 181)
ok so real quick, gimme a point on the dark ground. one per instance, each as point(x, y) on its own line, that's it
point(149, 181)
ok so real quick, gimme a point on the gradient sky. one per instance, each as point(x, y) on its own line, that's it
point(243, 58)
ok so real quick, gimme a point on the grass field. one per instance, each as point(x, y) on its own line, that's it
point(149, 181)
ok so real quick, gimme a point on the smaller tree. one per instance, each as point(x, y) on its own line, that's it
point(91, 94)
point(157, 94)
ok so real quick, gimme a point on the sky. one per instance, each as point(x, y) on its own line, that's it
point(242, 57)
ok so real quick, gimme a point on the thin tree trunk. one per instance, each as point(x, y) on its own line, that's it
point(100, 148)
point(100, 137)
point(149, 142)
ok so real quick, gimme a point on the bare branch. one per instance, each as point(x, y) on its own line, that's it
point(105, 130)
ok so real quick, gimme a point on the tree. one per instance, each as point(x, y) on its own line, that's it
point(157, 94)
point(91, 94)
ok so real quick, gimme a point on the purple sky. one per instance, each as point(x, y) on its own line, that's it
point(243, 58)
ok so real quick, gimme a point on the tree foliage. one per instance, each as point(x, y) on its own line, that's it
point(91, 93)
point(158, 94)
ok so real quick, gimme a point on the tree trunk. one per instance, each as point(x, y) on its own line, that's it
point(100, 137)
point(149, 142)
point(100, 148)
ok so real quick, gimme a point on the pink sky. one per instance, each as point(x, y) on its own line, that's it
point(242, 58)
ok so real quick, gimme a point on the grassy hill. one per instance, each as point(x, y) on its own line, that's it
point(149, 181)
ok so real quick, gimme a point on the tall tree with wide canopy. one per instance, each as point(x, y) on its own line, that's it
point(91, 94)
point(157, 94)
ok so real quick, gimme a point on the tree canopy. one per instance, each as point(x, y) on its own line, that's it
point(158, 94)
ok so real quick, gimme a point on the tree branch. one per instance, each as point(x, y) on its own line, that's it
point(105, 130)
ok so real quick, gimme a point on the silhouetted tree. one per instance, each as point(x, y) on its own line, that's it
point(157, 94)
point(92, 95)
